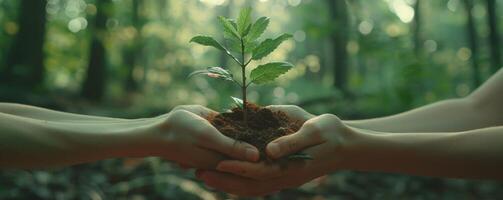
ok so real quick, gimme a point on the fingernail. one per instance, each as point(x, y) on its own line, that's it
point(251, 154)
point(273, 150)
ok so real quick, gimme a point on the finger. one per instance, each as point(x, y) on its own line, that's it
point(200, 158)
point(216, 141)
point(293, 112)
point(306, 137)
point(208, 137)
point(258, 171)
point(237, 185)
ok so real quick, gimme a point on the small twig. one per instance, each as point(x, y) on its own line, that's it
point(233, 57)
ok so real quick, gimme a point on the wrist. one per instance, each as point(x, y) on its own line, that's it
point(358, 149)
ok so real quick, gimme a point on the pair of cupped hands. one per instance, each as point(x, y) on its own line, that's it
point(234, 167)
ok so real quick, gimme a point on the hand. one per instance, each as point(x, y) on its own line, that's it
point(186, 137)
point(323, 137)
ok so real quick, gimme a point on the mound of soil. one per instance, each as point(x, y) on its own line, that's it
point(262, 127)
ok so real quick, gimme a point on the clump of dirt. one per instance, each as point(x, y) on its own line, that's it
point(263, 125)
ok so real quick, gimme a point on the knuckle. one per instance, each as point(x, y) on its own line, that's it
point(181, 107)
point(312, 127)
point(179, 113)
point(237, 149)
point(330, 117)
point(295, 107)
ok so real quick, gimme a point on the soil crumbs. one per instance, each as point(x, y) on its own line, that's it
point(264, 126)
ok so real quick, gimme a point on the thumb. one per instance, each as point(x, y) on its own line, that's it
point(293, 143)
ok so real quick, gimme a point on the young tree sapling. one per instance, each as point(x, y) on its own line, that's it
point(243, 39)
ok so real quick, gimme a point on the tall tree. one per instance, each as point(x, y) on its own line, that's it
point(494, 41)
point(340, 37)
point(25, 58)
point(133, 51)
point(417, 28)
point(94, 84)
point(472, 40)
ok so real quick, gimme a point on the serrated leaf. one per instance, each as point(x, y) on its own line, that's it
point(250, 46)
point(258, 28)
point(244, 20)
point(268, 46)
point(247, 30)
point(233, 22)
point(214, 72)
point(268, 72)
point(299, 156)
point(235, 45)
point(208, 41)
point(229, 28)
point(237, 101)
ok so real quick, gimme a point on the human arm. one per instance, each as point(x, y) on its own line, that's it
point(34, 112)
point(182, 135)
point(334, 146)
point(480, 109)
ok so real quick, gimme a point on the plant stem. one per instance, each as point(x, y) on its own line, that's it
point(244, 86)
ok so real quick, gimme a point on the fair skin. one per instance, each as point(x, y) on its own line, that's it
point(459, 138)
point(32, 137)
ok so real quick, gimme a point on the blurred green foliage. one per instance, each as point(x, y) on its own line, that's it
point(397, 59)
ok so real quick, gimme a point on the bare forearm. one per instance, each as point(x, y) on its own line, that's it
point(32, 143)
point(445, 116)
point(471, 154)
point(51, 115)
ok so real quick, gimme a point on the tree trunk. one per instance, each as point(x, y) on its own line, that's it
point(162, 9)
point(133, 51)
point(93, 88)
point(472, 40)
point(417, 28)
point(340, 37)
point(25, 59)
point(494, 41)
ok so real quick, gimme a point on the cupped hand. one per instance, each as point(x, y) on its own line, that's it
point(186, 137)
point(322, 137)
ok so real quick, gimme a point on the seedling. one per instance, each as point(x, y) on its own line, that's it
point(243, 38)
point(243, 45)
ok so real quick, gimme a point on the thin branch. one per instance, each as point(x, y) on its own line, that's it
point(248, 62)
point(233, 57)
point(249, 83)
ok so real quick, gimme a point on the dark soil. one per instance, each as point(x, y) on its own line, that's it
point(263, 126)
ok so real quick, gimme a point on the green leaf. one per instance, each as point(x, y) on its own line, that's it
point(247, 30)
point(258, 28)
point(237, 101)
point(229, 28)
point(268, 46)
point(244, 20)
point(268, 72)
point(208, 41)
point(214, 72)
point(250, 46)
point(300, 156)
